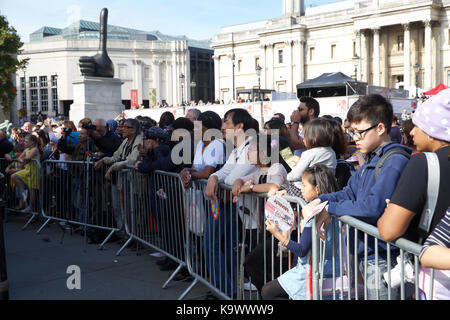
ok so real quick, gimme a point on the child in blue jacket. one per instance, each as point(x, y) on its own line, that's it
point(364, 196)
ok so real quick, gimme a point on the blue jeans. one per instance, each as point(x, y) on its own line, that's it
point(372, 276)
point(79, 200)
point(219, 245)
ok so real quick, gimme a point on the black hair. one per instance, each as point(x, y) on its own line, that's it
point(339, 144)
point(210, 120)
point(280, 117)
point(311, 103)
point(338, 120)
point(264, 146)
point(277, 124)
point(322, 177)
point(241, 116)
point(183, 123)
point(373, 108)
point(318, 132)
point(327, 116)
point(167, 119)
point(44, 137)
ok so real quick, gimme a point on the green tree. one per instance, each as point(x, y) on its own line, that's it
point(9, 50)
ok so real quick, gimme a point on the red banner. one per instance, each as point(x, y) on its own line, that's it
point(134, 99)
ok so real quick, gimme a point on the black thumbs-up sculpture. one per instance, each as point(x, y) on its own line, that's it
point(99, 65)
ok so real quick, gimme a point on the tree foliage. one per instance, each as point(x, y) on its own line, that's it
point(9, 50)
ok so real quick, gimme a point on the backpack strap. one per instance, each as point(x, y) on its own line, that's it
point(432, 191)
point(386, 156)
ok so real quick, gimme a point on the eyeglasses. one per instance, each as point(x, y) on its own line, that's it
point(358, 135)
point(127, 127)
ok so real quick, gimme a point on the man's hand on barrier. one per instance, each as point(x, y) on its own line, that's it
point(323, 219)
point(108, 174)
point(136, 165)
point(237, 187)
point(98, 164)
point(307, 210)
point(211, 187)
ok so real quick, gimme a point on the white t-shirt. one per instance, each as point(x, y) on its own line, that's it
point(323, 155)
point(276, 174)
point(213, 155)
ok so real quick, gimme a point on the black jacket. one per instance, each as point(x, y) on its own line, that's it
point(108, 144)
point(156, 159)
point(5, 147)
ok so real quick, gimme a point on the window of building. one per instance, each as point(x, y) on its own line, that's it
point(280, 56)
point(22, 82)
point(55, 99)
point(448, 78)
point(33, 82)
point(333, 51)
point(147, 73)
point(34, 99)
point(400, 41)
point(354, 48)
point(23, 93)
point(54, 80)
point(256, 62)
point(44, 99)
point(239, 65)
point(311, 53)
point(43, 81)
point(122, 71)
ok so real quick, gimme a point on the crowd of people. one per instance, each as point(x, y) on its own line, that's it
point(367, 166)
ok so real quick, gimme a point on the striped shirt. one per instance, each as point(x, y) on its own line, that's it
point(440, 235)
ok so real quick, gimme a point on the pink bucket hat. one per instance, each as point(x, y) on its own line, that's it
point(433, 116)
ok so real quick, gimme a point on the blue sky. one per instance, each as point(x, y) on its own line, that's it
point(197, 19)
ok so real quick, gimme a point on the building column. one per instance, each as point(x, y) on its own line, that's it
point(376, 56)
point(301, 61)
point(358, 53)
point(157, 81)
point(407, 56)
point(289, 81)
point(137, 81)
point(365, 57)
point(217, 76)
point(262, 61)
point(428, 58)
point(271, 60)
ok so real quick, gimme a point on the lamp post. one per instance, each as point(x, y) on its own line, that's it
point(233, 60)
point(25, 88)
point(356, 63)
point(416, 71)
point(182, 89)
point(193, 85)
point(258, 73)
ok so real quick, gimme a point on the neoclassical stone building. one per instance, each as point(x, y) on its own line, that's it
point(160, 67)
point(377, 41)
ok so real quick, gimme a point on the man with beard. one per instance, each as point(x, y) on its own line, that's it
point(308, 109)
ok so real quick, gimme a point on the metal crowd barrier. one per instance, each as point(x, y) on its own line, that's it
point(355, 283)
point(154, 214)
point(225, 248)
point(12, 197)
point(77, 194)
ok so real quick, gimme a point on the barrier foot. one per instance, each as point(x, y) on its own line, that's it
point(43, 226)
point(172, 276)
point(188, 289)
point(100, 247)
point(124, 246)
point(29, 221)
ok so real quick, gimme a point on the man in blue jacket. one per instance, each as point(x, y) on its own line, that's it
point(364, 196)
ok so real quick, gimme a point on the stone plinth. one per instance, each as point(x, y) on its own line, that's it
point(96, 97)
